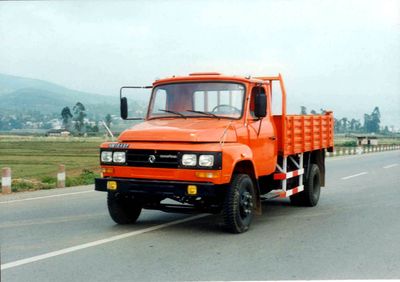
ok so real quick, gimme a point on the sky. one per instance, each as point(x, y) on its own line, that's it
point(338, 55)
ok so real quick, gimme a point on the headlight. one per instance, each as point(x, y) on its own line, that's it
point(206, 160)
point(189, 160)
point(106, 156)
point(119, 157)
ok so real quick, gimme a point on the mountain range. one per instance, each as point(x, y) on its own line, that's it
point(23, 95)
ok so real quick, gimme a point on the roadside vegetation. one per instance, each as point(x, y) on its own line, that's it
point(34, 160)
point(370, 125)
point(348, 129)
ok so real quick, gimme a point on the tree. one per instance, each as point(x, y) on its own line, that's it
point(95, 128)
point(386, 130)
point(336, 125)
point(344, 124)
point(108, 120)
point(303, 110)
point(313, 112)
point(372, 121)
point(352, 124)
point(367, 122)
point(66, 116)
point(376, 120)
point(91, 128)
point(79, 116)
point(355, 125)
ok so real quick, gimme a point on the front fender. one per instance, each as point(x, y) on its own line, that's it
point(234, 153)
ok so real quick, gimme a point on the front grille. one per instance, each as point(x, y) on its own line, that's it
point(153, 158)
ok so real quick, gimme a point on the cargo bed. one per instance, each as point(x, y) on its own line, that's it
point(304, 133)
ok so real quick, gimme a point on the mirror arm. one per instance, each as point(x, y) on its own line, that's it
point(120, 98)
point(134, 119)
point(259, 127)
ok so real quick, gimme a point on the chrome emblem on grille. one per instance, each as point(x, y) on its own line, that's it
point(118, 145)
point(152, 159)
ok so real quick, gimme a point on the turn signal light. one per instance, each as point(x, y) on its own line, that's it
point(207, 174)
point(107, 170)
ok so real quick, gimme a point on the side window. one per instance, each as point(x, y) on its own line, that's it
point(254, 92)
point(160, 101)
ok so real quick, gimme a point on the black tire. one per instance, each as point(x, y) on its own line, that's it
point(123, 210)
point(312, 190)
point(238, 209)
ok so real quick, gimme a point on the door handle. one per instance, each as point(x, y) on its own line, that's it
point(272, 138)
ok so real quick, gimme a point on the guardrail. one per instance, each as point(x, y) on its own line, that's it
point(343, 151)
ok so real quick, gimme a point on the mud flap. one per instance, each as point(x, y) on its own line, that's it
point(258, 209)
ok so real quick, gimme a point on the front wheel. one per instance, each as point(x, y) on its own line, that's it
point(312, 189)
point(123, 210)
point(239, 205)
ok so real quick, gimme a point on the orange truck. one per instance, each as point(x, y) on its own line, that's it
point(210, 143)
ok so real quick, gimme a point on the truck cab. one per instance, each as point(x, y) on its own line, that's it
point(208, 143)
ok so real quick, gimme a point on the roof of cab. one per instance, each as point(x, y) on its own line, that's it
point(207, 76)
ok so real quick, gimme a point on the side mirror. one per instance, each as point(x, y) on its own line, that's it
point(124, 108)
point(138, 97)
point(260, 105)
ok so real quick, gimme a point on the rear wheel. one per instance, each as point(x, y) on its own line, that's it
point(123, 210)
point(238, 207)
point(312, 189)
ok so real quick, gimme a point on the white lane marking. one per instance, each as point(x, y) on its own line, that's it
point(46, 197)
point(96, 243)
point(392, 165)
point(354, 175)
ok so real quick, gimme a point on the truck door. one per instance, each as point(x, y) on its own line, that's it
point(262, 135)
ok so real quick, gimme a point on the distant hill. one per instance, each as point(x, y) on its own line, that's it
point(19, 94)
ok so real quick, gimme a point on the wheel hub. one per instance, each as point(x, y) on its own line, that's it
point(246, 203)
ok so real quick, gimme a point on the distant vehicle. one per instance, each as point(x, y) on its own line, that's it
point(211, 143)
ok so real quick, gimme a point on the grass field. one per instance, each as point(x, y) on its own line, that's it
point(36, 159)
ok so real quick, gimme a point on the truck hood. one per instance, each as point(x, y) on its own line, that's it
point(181, 130)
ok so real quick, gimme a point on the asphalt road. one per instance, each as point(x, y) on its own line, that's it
point(353, 233)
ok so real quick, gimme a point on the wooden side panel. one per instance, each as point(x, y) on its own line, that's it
point(304, 133)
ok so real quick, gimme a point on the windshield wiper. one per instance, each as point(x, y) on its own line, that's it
point(204, 113)
point(173, 112)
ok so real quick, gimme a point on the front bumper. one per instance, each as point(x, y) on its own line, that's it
point(162, 188)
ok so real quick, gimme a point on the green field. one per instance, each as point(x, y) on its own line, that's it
point(36, 159)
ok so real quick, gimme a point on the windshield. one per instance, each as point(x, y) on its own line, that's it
point(197, 99)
